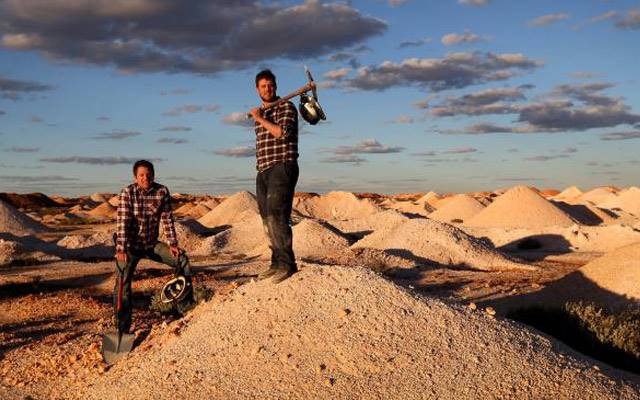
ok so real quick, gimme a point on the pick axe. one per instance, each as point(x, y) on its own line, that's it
point(309, 106)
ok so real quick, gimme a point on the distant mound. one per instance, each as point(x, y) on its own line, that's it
point(408, 207)
point(104, 210)
point(598, 195)
point(347, 333)
point(433, 242)
point(628, 200)
point(379, 220)
point(30, 201)
point(520, 207)
point(101, 197)
point(430, 198)
point(460, 209)
point(15, 222)
point(569, 194)
point(336, 206)
point(230, 209)
point(240, 238)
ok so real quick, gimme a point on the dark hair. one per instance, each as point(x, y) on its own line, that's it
point(143, 163)
point(266, 74)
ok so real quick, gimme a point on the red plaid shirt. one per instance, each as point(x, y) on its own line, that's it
point(139, 216)
point(271, 150)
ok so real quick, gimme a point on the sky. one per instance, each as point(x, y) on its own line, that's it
point(420, 95)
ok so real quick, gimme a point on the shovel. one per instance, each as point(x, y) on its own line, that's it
point(117, 344)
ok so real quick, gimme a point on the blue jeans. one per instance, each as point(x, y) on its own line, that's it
point(274, 189)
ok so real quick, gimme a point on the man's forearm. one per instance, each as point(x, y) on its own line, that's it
point(274, 129)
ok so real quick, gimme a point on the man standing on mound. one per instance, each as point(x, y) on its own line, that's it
point(277, 154)
point(143, 205)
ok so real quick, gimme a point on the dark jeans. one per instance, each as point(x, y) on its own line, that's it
point(160, 253)
point(274, 189)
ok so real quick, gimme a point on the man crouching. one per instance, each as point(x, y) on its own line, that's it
point(143, 205)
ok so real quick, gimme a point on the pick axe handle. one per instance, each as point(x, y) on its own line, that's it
point(304, 89)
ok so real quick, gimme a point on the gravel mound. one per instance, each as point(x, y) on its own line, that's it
point(371, 223)
point(430, 198)
point(617, 271)
point(461, 208)
point(230, 210)
point(627, 200)
point(347, 333)
point(520, 207)
point(597, 195)
point(408, 207)
point(432, 242)
point(569, 194)
point(104, 210)
point(241, 238)
point(336, 206)
point(17, 223)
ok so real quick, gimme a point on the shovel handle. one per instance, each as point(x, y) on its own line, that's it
point(120, 285)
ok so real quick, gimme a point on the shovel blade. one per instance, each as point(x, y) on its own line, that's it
point(115, 345)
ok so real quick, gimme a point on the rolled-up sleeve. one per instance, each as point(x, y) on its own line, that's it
point(167, 220)
point(287, 119)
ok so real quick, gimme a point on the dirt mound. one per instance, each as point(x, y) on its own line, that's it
point(190, 234)
point(15, 222)
point(611, 281)
point(597, 195)
point(617, 271)
point(101, 197)
point(197, 211)
point(241, 238)
point(315, 241)
point(587, 214)
point(115, 201)
point(521, 207)
point(336, 206)
point(569, 194)
point(212, 203)
point(104, 210)
point(627, 200)
point(183, 209)
point(461, 208)
point(230, 210)
point(30, 201)
point(558, 239)
point(336, 332)
point(407, 207)
point(432, 242)
point(82, 241)
point(87, 246)
point(430, 198)
point(383, 219)
point(21, 251)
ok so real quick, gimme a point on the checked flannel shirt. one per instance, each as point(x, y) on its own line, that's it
point(139, 216)
point(271, 150)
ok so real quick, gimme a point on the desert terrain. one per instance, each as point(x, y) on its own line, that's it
point(398, 297)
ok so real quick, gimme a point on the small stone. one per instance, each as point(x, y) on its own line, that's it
point(490, 311)
point(472, 306)
point(596, 368)
point(344, 312)
point(321, 368)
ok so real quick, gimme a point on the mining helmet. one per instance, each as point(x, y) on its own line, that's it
point(175, 290)
point(310, 109)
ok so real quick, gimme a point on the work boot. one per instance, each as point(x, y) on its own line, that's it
point(268, 273)
point(282, 275)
